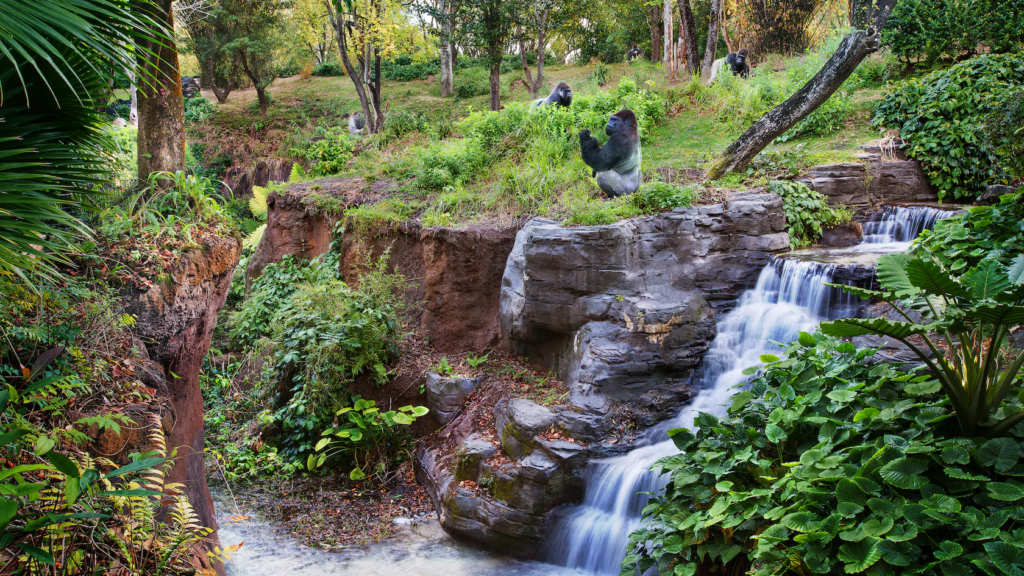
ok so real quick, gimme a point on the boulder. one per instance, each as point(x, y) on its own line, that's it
point(875, 180)
point(518, 422)
point(843, 235)
point(992, 194)
point(190, 87)
point(446, 396)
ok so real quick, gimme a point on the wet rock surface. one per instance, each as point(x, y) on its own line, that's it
point(843, 235)
point(624, 314)
point(445, 396)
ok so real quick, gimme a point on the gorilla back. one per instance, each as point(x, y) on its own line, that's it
point(616, 165)
point(561, 95)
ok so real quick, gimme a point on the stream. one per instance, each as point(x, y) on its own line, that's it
point(590, 539)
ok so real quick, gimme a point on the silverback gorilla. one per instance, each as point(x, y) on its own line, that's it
point(561, 95)
point(738, 62)
point(356, 123)
point(616, 165)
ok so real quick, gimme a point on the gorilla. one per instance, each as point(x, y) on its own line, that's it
point(633, 53)
point(356, 123)
point(561, 95)
point(738, 62)
point(616, 165)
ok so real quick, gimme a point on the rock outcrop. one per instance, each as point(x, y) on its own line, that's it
point(446, 396)
point(175, 322)
point(879, 179)
point(624, 313)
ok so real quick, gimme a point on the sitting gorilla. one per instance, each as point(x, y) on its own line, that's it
point(356, 123)
point(617, 164)
point(738, 62)
point(634, 53)
point(561, 95)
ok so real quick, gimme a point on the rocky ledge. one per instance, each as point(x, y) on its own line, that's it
point(624, 313)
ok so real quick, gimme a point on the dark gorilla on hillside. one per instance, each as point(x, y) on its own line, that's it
point(616, 165)
point(561, 95)
point(738, 62)
point(634, 53)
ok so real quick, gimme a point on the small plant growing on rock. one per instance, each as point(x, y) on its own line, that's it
point(444, 368)
point(476, 361)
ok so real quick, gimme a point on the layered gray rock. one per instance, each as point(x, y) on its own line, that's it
point(624, 313)
point(880, 178)
point(446, 396)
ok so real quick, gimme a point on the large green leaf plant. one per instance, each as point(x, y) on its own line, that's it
point(958, 326)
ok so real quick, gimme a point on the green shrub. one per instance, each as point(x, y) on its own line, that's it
point(198, 110)
point(472, 82)
point(403, 69)
point(932, 29)
point(398, 124)
point(982, 233)
point(330, 154)
point(656, 197)
point(943, 117)
point(450, 163)
point(329, 69)
point(807, 212)
point(825, 464)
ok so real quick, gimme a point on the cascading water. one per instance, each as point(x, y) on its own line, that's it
point(901, 223)
point(790, 297)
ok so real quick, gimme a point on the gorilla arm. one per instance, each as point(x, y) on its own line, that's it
point(594, 155)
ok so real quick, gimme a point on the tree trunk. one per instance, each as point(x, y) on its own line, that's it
point(688, 30)
point(447, 59)
point(522, 60)
point(339, 25)
point(133, 97)
point(654, 16)
point(542, 37)
point(495, 81)
point(455, 57)
point(853, 49)
point(208, 76)
point(669, 57)
point(161, 140)
point(712, 47)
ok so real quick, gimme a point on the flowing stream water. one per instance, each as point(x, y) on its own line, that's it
point(790, 297)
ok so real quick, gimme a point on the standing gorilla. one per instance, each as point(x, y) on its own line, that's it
point(633, 53)
point(616, 165)
point(738, 62)
point(561, 95)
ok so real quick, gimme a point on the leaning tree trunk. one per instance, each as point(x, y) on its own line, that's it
point(854, 48)
point(209, 76)
point(688, 29)
point(161, 139)
point(712, 47)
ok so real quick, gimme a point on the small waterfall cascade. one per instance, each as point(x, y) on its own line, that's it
point(901, 224)
point(790, 297)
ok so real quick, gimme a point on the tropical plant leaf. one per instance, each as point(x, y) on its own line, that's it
point(859, 556)
point(1004, 491)
point(850, 327)
point(891, 271)
point(1015, 274)
point(987, 280)
point(905, 473)
point(999, 453)
point(998, 314)
point(1009, 559)
point(926, 274)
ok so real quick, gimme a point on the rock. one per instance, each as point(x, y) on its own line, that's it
point(174, 321)
point(241, 179)
point(445, 396)
point(876, 181)
point(843, 235)
point(473, 452)
point(518, 421)
point(992, 195)
point(190, 87)
point(890, 351)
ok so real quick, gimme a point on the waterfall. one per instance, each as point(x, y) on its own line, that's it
point(790, 297)
point(901, 224)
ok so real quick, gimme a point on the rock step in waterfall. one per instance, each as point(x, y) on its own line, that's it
point(790, 297)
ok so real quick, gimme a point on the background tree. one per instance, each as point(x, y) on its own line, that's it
point(711, 50)
point(258, 30)
point(161, 140)
point(868, 15)
point(688, 32)
point(220, 69)
point(489, 24)
point(313, 28)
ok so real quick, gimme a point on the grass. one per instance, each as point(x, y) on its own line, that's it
point(444, 178)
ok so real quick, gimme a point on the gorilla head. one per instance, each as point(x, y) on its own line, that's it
point(561, 95)
point(616, 165)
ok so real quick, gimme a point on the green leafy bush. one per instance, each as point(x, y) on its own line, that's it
point(198, 110)
point(825, 464)
point(329, 69)
point(807, 212)
point(657, 196)
point(330, 154)
point(932, 29)
point(982, 233)
point(450, 163)
point(472, 82)
point(403, 69)
point(944, 119)
point(398, 124)
point(367, 438)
